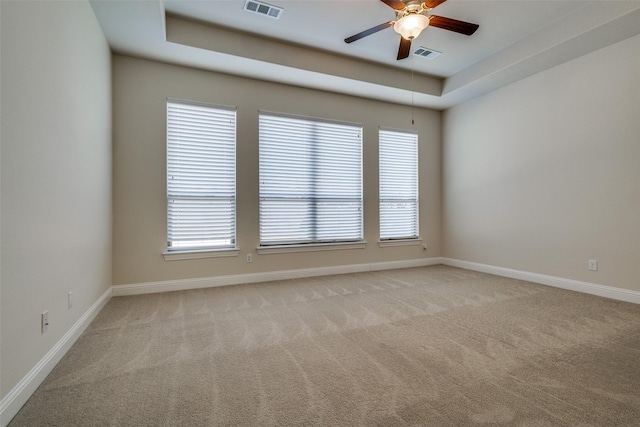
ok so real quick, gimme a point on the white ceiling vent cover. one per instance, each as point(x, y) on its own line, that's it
point(263, 9)
point(425, 52)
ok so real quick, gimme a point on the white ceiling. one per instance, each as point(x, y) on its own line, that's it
point(305, 46)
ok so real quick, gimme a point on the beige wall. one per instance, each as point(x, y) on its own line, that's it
point(56, 174)
point(140, 91)
point(544, 174)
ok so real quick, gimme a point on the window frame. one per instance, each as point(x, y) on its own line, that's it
point(202, 251)
point(398, 240)
point(298, 245)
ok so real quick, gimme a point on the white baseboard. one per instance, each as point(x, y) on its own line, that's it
point(236, 279)
point(392, 265)
point(18, 396)
point(619, 294)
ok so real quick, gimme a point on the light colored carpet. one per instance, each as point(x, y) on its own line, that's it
point(433, 346)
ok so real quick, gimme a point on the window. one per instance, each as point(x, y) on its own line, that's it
point(310, 181)
point(398, 185)
point(201, 175)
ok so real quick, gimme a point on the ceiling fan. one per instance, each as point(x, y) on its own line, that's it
point(411, 19)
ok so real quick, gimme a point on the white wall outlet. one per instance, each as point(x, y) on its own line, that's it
point(424, 246)
point(249, 257)
point(44, 321)
point(592, 265)
point(69, 300)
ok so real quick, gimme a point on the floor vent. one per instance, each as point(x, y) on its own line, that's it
point(425, 52)
point(263, 9)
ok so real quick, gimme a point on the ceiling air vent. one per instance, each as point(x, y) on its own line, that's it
point(425, 52)
point(263, 9)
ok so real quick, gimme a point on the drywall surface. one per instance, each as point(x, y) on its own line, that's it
point(141, 89)
point(56, 174)
point(543, 175)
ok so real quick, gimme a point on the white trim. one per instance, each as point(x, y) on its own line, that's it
point(408, 263)
point(285, 249)
point(215, 253)
point(619, 294)
point(236, 279)
point(18, 396)
point(201, 104)
point(309, 118)
point(399, 242)
point(392, 129)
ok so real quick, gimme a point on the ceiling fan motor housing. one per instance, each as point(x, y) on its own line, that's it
point(412, 7)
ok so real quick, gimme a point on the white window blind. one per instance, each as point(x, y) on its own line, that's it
point(201, 176)
point(398, 185)
point(310, 181)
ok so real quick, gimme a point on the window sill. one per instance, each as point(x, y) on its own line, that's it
point(208, 253)
point(399, 242)
point(283, 249)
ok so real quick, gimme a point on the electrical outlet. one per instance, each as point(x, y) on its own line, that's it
point(592, 265)
point(44, 321)
point(249, 257)
point(424, 246)
point(69, 300)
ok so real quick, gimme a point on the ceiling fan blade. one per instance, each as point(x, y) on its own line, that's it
point(454, 25)
point(396, 4)
point(368, 32)
point(433, 3)
point(405, 47)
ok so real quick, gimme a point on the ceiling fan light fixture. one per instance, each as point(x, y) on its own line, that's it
point(411, 25)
